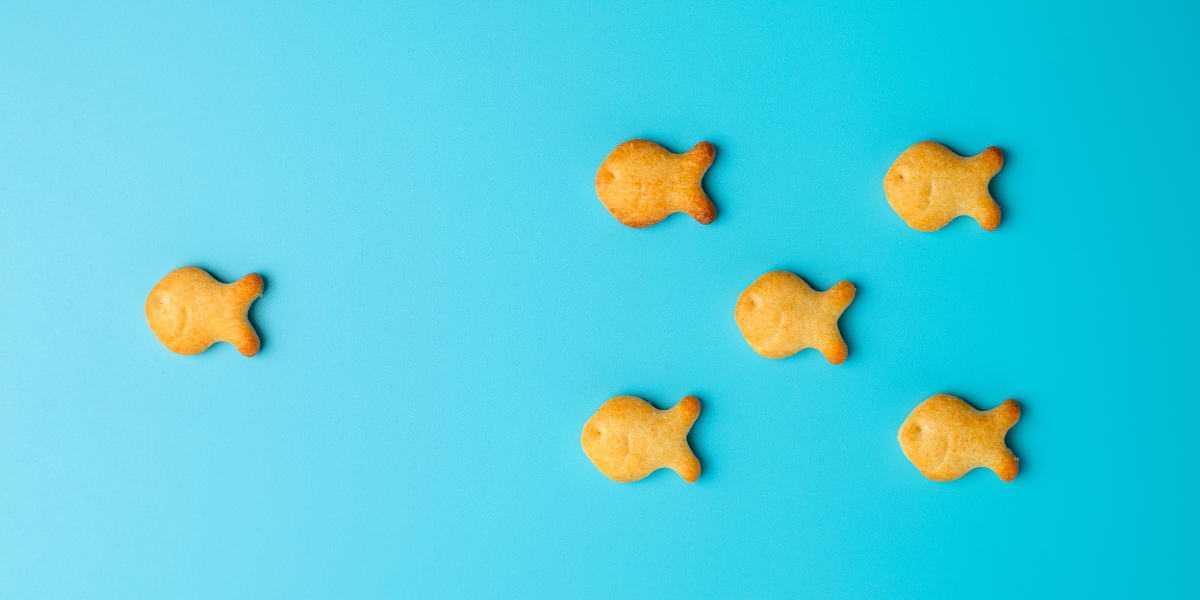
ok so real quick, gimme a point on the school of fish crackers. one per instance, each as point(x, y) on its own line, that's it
point(641, 183)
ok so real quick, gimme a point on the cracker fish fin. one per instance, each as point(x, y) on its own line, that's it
point(243, 337)
point(697, 205)
point(833, 347)
point(831, 344)
point(984, 209)
point(685, 411)
point(1004, 463)
point(247, 289)
point(700, 157)
point(694, 201)
point(687, 465)
point(1002, 460)
point(839, 296)
point(684, 461)
point(990, 161)
point(1007, 414)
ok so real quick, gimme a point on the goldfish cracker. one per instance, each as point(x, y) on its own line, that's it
point(945, 437)
point(189, 311)
point(627, 439)
point(780, 315)
point(641, 183)
point(929, 186)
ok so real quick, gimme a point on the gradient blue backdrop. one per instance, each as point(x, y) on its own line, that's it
point(447, 301)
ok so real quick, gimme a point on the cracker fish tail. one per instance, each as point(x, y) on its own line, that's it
point(1002, 460)
point(831, 344)
point(244, 292)
point(683, 415)
point(982, 207)
point(695, 202)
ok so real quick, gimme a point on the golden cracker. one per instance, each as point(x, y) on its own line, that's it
point(627, 439)
point(189, 311)
point(929, 186)
point(642, 183)
point(945, 438)
point(780, 315)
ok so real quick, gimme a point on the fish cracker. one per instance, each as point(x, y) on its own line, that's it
point(189, 311)
point(780, 315)
point(642, 183)
point(929, 186)
point(945, 438)
point(628, 439)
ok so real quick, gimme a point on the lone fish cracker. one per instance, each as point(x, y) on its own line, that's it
point(189, 311)
point(945, 438)
point(929, 186)
point(642, 183)
point(780, 315)
point(627, 439)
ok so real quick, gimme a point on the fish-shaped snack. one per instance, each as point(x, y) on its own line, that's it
point(627, 439)
point(189, 311)
point(779, 315)
point(929, 186)
point(944, 437)
point(641, 183)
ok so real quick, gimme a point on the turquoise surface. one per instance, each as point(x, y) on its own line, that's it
point(447, 302)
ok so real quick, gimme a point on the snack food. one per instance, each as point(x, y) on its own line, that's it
point(780, 315)
point(641, 183)
point(627, 439)
point(929, 186)
point(944, 437)
point(189, 311)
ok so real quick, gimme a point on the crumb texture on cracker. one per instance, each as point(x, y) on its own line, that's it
point(188, 311)
point(929, 185)
point(642, 183)
point(628, 439)
point(945, 437)
point(780, 315)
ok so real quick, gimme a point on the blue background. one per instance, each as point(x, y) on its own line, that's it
point(447, 301)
